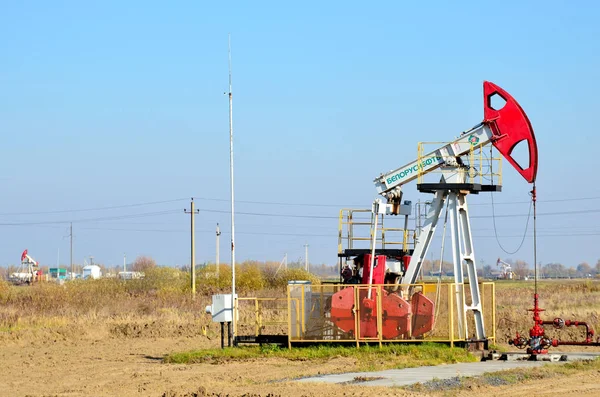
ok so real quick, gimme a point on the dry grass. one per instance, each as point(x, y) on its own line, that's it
point(161, 305)
point(568, 299)
point(157, 314)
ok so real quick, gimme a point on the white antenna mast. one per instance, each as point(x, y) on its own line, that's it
point(232, 198)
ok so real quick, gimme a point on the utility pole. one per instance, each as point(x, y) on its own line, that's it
point(192, 212)
point(306, 257)
point(72, 268)
point(218, 234)
point(124, 262)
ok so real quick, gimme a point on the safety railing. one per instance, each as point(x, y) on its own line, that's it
point(478, 167)
point(359, 313)
point(355, 226)
point(348, 221)
point(261, 316)
point(408, 238)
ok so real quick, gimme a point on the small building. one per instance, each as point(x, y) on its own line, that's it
point(131, 275)
point(58, 273)
point(91, 271)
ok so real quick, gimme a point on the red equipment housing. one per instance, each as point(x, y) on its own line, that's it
point(378, 269)
point(399, 318)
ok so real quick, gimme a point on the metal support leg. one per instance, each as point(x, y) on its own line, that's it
point(464, 255)
point(424, 239)
point(459, 290)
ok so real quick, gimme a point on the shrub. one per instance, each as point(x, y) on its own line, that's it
point(249, 278)
point(282, 278)
point(164, 278)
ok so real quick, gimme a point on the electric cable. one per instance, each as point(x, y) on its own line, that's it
point(279, 203)
point(93, 209)
point(544, 201)
point(307, 205)
point(114, 217)
point(273, 215)
point(496, 229)
point(533, 200)
point(490, 164)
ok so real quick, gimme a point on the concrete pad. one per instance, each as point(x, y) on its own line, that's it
point(409, 376)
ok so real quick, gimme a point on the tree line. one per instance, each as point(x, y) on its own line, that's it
point(521, 268)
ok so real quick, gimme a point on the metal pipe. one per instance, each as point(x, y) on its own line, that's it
point(229, 333)
point(373, 244)
point(222, 335)
point(573, 343)
point(559, 323)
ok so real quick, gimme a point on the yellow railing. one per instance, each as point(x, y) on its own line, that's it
point(259, 313)
point(481, 168)
point(352, 230)
point(305, 313)
point(309, 318)
point(406, 243)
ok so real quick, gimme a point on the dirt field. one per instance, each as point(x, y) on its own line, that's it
point(108, 339)
point(132, 366)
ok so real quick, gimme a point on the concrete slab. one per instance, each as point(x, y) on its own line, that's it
point(409, 376)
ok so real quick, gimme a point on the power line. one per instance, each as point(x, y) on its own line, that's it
point(281, 203)
point(273, 215)
point(140, 215)
point(117, 217)
point(93, 209)
point(541, 201)
point(595, 233)
point(336, 217)
point(210, 231)
point(361, 206)
point(264, 203)
point(540, 214)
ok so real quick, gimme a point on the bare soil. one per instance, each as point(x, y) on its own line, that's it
point(110, 366)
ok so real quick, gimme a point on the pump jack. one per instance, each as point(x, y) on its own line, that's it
point(408, 313)
point(507, 273)
point(28, 272)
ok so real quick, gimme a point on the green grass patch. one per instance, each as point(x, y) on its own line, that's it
point(366, 357)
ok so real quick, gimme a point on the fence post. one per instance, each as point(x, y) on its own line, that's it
point(289, 310)
point(451, 315)
point(257, 318)
point(356, 316)
point(379, 315)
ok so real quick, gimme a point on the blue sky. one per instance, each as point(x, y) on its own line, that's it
point(110, 104)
